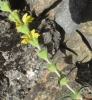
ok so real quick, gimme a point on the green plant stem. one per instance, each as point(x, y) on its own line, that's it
point(81, 99)
point(39, 48)
point(57, 73)
point(59, 76)
point(67, 84)
point(48, 61)
point(70, 88)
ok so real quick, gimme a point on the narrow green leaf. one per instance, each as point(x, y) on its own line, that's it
point(52, 67)
point(72, 96)
point(65, 96)
point(78, 90)
point(43, 53)
point(76, 96)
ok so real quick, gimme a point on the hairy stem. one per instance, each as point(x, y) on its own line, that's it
point(39, 48)
point(81, 99)
point(57, 73)
point(48, 61)
point(70, 88)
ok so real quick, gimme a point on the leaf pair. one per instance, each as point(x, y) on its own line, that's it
point(76, 96)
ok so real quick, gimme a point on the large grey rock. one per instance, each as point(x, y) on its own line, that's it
point(68, 14)
point(39, 5)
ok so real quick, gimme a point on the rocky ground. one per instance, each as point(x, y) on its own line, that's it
point(65, 27)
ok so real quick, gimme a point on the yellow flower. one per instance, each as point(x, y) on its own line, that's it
point(31, 37)
point(34, 35)
point(27, 18)
point(23, 26)
point(26, 39)
point(17, 23)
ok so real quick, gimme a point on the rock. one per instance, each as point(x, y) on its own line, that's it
point(87, 31)
point(81, 4)
point(87, 14)
point(76, 44)
point(84, 73)
point(47, 37)
point(39, 5)
point(47, 88)
point(68, 14)
point(5, 26)
point(56, 39)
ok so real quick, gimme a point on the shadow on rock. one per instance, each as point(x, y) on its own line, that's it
point(87, 13)
point(84, 73)
point(85, 40)
point(81, 10)
point(63, 45)
point(17, 4)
